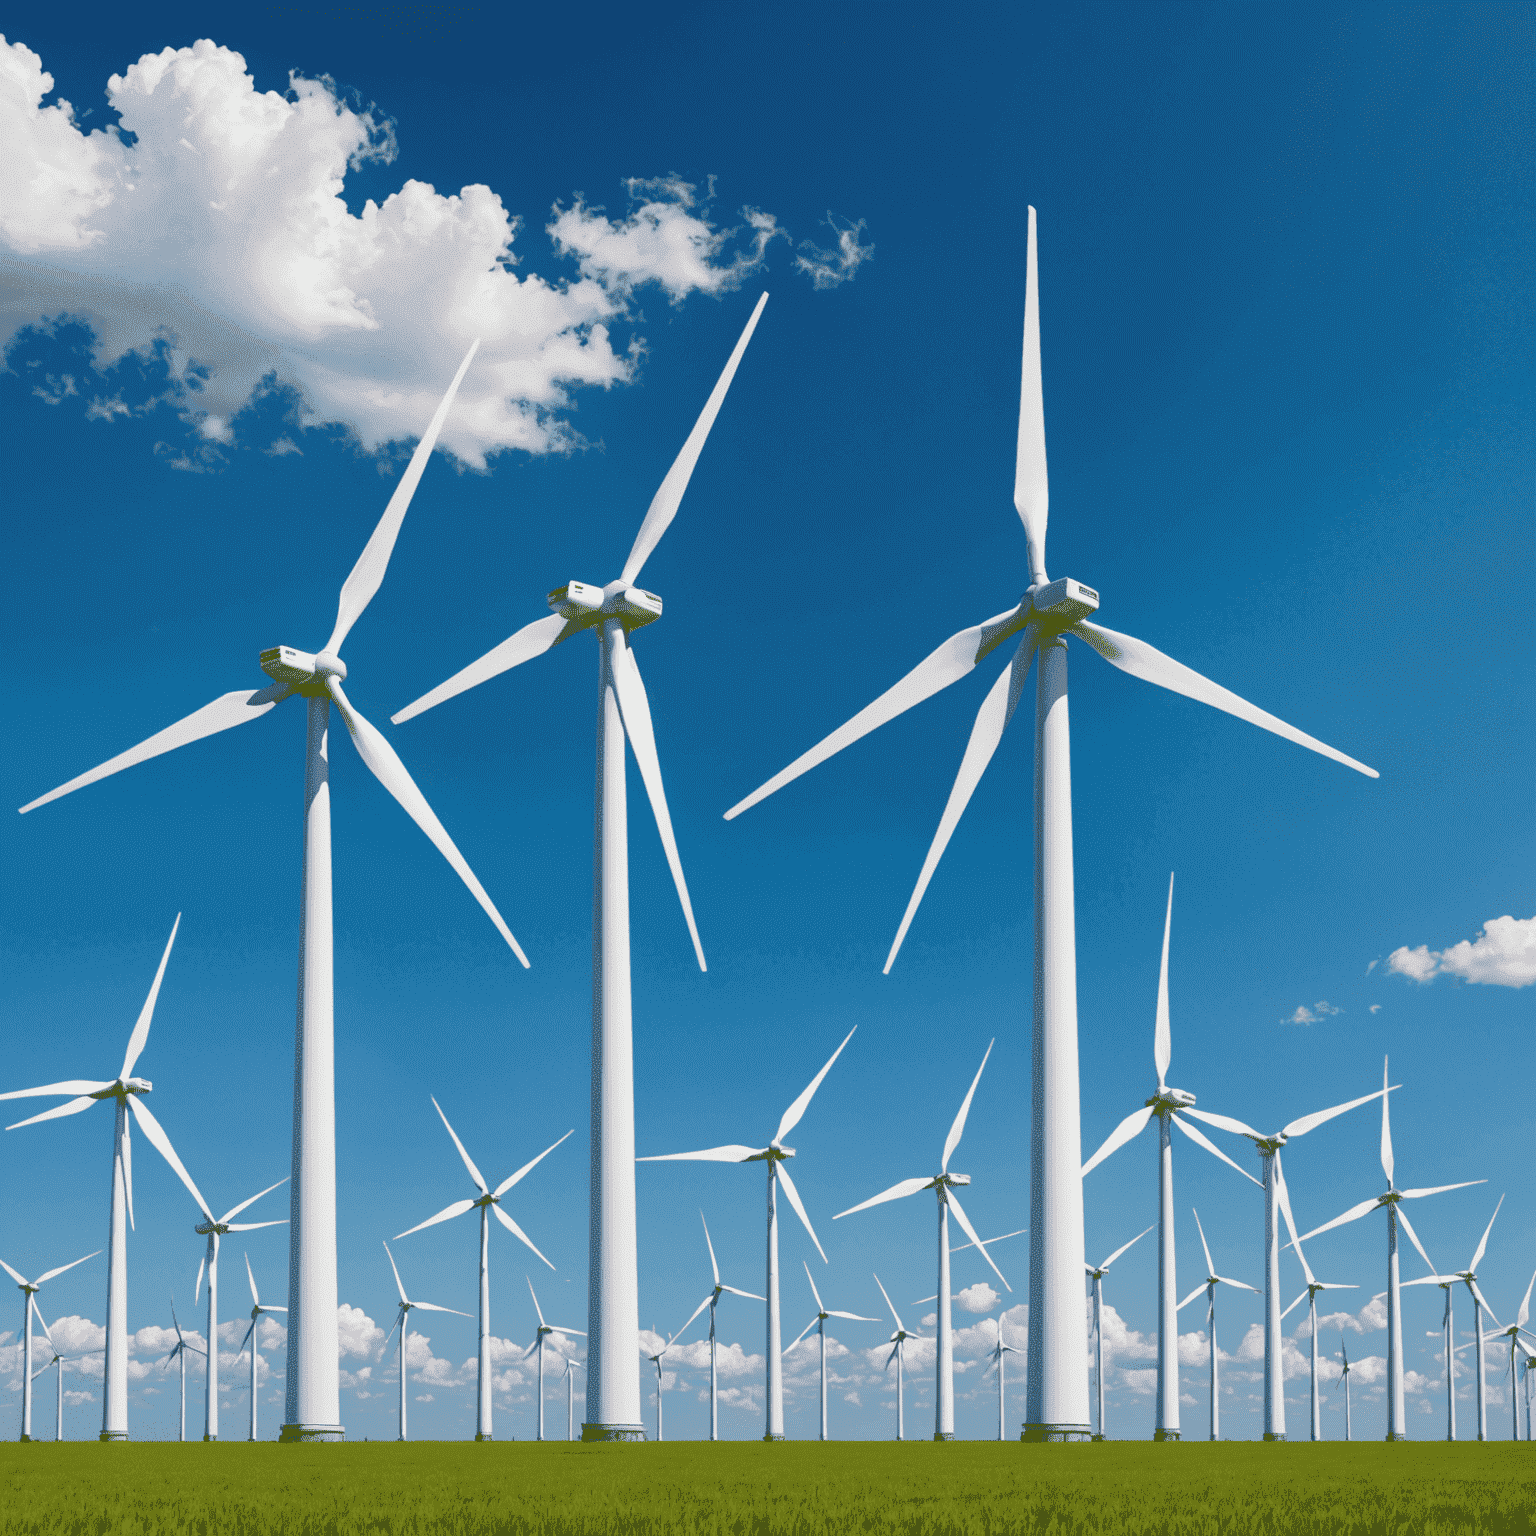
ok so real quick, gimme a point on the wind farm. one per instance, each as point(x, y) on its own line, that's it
point(266, 355)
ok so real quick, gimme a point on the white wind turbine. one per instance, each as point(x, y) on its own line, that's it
point(313, 1386)
point(258, 1310)
point(1208, 1285)
point(1276, 1205)
point(998, 1351)
point(1057, 1403)
point(612, 613)
point(213, 1229)
point(774, 1155)
point(1309, 1295)
point(406, 1307)
point(1447, 1336)
point(1397, 1421)
point(1516, 1345)
point(1344, 1377)
point(570, 1397)
point(1165, 1104)
point(29, 1289)
point(59, 1361)
point(544, 1330)
point(943, 1184)
point(898, 1343)
point(660, 1382)
point(819, 1323)
point(1097, 1276)
point(712, 1301)
point(126, 1092)
point(487, 1204)
point(178, 1353)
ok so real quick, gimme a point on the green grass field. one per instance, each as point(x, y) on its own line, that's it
point(737, 1489)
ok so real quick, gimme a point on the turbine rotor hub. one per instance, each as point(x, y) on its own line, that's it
point(583, 606)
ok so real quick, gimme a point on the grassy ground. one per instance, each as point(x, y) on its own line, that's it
point(736, 1489)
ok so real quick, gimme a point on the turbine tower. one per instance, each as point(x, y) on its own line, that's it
point(1344, 1377)
point(313, 1407)
point(126, 1092)
point(712, 1301)
point(613, 613)
point(60, 1361)
point(544, 1330)
point(570, 1397)
point(406, 1307)
point(819, 1323)
point(1516, 1346)
point(774, 1155)
point(258, 1308)
point(943, 1184)
point(1208, 1285)
point(1165, 1104)
point(1390, 1202)
point(998, 1351)
point(29, 1289)
point(898, 1343)
point(488, 1204)
point(1097, 1276)
point(1049, 611)
point(1309, 1295)
point(660, 1382)
point(213, 1230)
point(178, 1353)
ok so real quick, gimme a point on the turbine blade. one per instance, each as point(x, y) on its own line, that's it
point(197, 1290)
point(1122, 1248)
point(474, 1172)
point(446, 1214)
point(428, 1306)
point(987, 1242)
point(1242, 1285)
point(1128, 1130)
point(226, 712)
point(255, 1226)
point(367, 575)
point(539, 1311)
point(1031, 488)
point(1290, 1220)
point(1438, 1189)
point(78, 1085)
point(1162, 1034)
point(735, 1153)
point(1152, 666)
point(948, 664)
point(791, 1116)
point(636, 710)
point(41, 1279)
point(162, 1144)
point(801, 1334)
point(957, 1129)
point(385, 765)
point(1197, 1290)
point(814, 1292)
point(530, 641)
point(970, 1232)
point(147, 1013)
point(1293, 1306)
point(247, 1339)
point(1482, 1247)
point(668, 498)
point(890, 1304)
point(516, 1231)
point(794, 1199)
point(749, 1295)
point(1200, 1139)
point(991, 721)
point(235, 1211)
point(528, 1167)
point(255, 1299)
point(1223, 1122)
point(1525, 1305)
point(19, 1279)
point(128, 1165)
point(1354, 1213)
point(895, 1192)
point(701, 1306)
point(852, 1317)
point(1413, 1237)
point(399, 1283)
point(1210, 1263)
point(714, 1268)
point(1482, 1301)
point(1311, 1122)
point(74, 1107)
point(1387, 1160)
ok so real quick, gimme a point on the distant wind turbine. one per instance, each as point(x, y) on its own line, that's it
point(1517, 1345)
point(712, 1300)
point(898, 1343)
point(29, 1289)
point(660, 1382)
point(1049, 611)
point(943, 1184)
point(406, 1307)
point(544, 1330)
point(1165, 1105)
point(1309, 1295)
point(1097, 1276)
point(314, 1386)
point(819, 1323)
point(178, 1353)
point(258, 1309)
point(1397, 1419)
point(998, 1351)
point(126, 1091)
point(570, 1397)
point(59, 1361)
point(488, 1204)
point(1208, 1285)
point(613, 613)
point(774, 1155)
point(1344, 1377)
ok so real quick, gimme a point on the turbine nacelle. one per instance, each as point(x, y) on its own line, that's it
point(582, 606)
point(770, 1154)
point(123, 1086)
point(1166, 1100)
point(300, 669)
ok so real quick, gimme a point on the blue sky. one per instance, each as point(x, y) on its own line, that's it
point(1286, 321)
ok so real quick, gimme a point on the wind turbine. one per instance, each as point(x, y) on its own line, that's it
point(1448, 1339)
point(998, 1351)
point(660, 1384)
point(819, 1323)
point(213, 1230)
point(1165, 1105)
point(407, 1306)
point(1208, 1285)
point(29, 1289)
point(898, 1343)
point(1047, 613)
point(257, 1309)
point(126, 1092)
point(538, 1344)
point(1309, 1295)
point(1097, 1276)
point(570, 1397)
point(1397, 1421)
point(1344, 1377)
point(943, 1184)
point(712, 1301)
point(59, 1361)
point(612, 613)
point(313, 1385)
point(1276, 1204)
point(179, 1353)
point(487, 1204)
point(774, 1155)
point(1516, 1344)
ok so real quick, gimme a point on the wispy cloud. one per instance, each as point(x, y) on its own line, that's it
point(828, 267)
point(1502, 955)
point(1313, 1015)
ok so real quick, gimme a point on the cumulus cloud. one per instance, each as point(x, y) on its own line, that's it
point(1313, 1015)
point(208, 237)
point(1502, 955)
point(830, 267)
point(356, 1333)
point(977, 1298)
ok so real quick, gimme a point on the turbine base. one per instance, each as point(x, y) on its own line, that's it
point(319, 1434)
point(1389, 1437)
point(113, 1434)
point(773, 1437)
point(1269, 1434)
point(1040, 1434)
point(612, 1432)
point(1165, 1434)
point(939, 1434)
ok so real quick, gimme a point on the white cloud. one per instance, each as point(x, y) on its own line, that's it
point(356, 1333)
point(218, 246)
point(1375, 1007)
point(1313, 1015)
point(1502, 955)
point(827, 268)
point(977, 1298)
